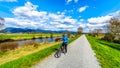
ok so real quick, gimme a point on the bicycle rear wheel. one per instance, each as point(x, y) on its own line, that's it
point(57, 54)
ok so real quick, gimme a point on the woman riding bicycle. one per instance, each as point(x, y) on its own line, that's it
point(65, 42)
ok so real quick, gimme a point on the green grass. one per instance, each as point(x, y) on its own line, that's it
point(108, 53)
point(4, 37)
point(32, 59)
point(29, 60)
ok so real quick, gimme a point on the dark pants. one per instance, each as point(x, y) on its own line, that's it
point(65, 46)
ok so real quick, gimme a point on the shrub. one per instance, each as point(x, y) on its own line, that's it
point(8, 46)
point(57, 39)
point(35, 44)
point(109, 37)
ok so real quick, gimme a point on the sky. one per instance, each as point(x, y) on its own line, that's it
point(58, 14)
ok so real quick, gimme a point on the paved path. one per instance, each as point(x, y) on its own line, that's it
point(80, 55)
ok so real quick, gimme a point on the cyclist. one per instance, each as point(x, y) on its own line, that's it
point(65, 42)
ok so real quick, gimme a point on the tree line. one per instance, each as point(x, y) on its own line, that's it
point(112, 30)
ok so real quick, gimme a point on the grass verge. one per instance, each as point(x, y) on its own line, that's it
point(108, 53)
point(31, 59)
point(20, 36)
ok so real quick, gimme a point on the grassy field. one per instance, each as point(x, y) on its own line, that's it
point(27, 57)
point(108, 53)
point(5, 37)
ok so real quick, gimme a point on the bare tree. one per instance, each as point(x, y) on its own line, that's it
point(95, 32)
point(98, 31)
point(113, 30)
point(80, 30)
point(2, 23)
point(92, 33)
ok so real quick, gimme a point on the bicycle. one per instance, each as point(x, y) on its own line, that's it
point(60, 50)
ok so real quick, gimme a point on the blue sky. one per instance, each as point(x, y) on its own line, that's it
point(58, 14)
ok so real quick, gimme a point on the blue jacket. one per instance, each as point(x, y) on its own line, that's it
point(65, 39)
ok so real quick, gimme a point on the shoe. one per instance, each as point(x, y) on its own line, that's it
point(65, 53)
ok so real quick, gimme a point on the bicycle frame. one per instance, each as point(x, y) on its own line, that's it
point(60, 50)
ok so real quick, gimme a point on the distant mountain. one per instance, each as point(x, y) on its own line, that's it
point(23, 30)
point(17, 30)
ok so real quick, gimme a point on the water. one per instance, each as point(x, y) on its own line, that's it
point(36, 40)
point(20, 42)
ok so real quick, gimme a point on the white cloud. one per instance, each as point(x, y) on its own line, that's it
point(101, 19)
point(69, 20)
point(29, 10)
point(115, 14)
point(8, 0)
point(54, 23)
point(68, 1)
point(63, 26)
point(28, 16)
point(95, 25)
point(98, 22)
point(91, 27)
point(55, 16)
point(18, 23)
point(81, 9)
point(87, 27)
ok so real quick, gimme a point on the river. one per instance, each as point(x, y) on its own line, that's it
point(20, 42)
